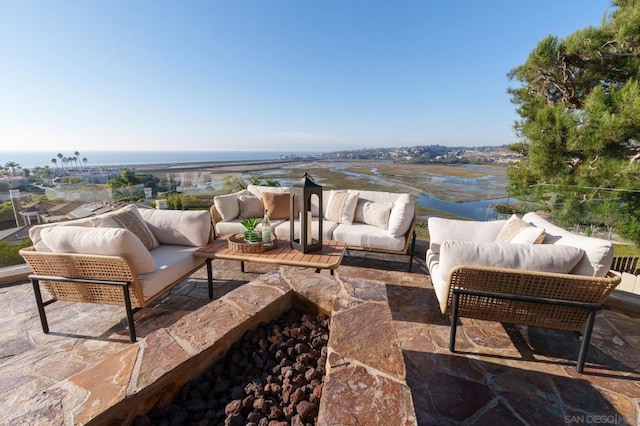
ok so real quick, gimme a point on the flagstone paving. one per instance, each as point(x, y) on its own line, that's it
point(388, 359)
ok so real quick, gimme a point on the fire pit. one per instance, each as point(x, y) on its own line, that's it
point(274, 373)
point(365, 371)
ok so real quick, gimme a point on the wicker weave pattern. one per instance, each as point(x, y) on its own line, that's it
point(93, 267)
point(539, 284)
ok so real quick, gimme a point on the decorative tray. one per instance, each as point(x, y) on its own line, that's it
point(237, 243)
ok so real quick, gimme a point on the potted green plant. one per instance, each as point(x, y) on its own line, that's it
point(250, 224)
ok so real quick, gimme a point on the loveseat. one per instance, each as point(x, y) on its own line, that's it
point(363, 220)
point(524, 271)
point(127, 257)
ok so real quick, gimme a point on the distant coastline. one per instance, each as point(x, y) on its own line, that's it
point(31, 159)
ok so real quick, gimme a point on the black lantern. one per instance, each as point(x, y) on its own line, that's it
point(307, 240)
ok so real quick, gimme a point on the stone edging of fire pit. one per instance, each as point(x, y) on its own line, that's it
point(366, 377)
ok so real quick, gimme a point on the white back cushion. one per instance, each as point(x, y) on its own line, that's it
point(441, 229)
point(598, 252)
point(179, 227)
point(102, 241)
point(228, 205)
point(402, 211)
point(527, 257)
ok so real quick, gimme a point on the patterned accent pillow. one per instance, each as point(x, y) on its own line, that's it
point(129, 218)
point(517, 231)
point(342, 206)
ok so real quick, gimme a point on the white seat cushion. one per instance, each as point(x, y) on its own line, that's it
point(172, 263)
point(283, 229)
point(369, 236)
point(229, 227)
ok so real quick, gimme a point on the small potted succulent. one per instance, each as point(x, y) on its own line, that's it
point(250, 224)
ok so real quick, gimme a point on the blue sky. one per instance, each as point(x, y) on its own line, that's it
point(267, 75)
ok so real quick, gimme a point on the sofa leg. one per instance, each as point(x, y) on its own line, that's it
point(412, 251)
point(40, 305)
point(210, 278)
point(586, 338)
point(454, 322)
point(127, 306)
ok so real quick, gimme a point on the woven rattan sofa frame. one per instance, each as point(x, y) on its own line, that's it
point(538, 299)
point(107, 280)
point(408, 249)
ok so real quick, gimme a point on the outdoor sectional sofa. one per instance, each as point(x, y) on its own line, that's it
point(128, 257)
point(364, 220)
point(523, 271)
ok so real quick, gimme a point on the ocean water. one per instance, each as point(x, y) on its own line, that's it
point(30, 159)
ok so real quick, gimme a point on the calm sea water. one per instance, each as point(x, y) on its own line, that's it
point(29, 159)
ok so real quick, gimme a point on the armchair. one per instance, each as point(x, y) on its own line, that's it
point(559, 284)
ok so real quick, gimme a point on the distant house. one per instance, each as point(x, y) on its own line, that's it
point(14, 182)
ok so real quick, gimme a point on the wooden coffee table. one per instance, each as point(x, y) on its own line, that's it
point(329, 257)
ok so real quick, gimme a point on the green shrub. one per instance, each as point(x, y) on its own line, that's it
point(9, 252)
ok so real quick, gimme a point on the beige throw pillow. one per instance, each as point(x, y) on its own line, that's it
point(277, 205)
point(129, 218)
point(517, 231)
point(372, 213)
point(342, 207)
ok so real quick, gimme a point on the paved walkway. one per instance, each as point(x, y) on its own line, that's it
point(502, 375)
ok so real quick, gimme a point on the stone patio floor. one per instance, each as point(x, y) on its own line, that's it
point(501, 374)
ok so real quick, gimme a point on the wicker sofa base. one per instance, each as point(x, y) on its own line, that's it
point(106, 280)
point(538, 299)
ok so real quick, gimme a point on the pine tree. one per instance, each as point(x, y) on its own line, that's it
point(579, 104)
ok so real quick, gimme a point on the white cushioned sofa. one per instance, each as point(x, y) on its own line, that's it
point(524, 271)
point(127, 257)
point(363, 220)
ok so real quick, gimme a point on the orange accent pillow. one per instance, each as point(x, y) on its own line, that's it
point(277, 205)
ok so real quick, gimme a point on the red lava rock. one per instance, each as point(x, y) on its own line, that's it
point(305, 409)
point(297, 421)
point(288, 412)
point(260, 405)
point(296, 396)
point(247, 403)
point(317, 391)
point(271, 377)
point(233, 407)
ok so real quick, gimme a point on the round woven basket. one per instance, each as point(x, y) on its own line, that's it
point(237, 243)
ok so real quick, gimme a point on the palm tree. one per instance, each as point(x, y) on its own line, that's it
point(54, 161)
point(84, 161)
point(233, 183)
point(76, 156)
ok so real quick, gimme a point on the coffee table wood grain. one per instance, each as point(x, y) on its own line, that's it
point(329, 257)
